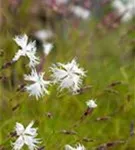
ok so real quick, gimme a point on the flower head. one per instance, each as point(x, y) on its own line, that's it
point(68, 75)
point(39, 87)
point(91, 104)
point(47, 48)
point(127, 9)
point(44, 35)
point(61, 1)
point(27, 49)
point(78, 147)
point(26, 136)
point(80, 12)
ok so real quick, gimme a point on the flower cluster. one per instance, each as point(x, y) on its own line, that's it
point(39, 85)
point(67, 76)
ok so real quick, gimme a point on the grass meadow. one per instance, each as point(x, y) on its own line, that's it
point(107, 56)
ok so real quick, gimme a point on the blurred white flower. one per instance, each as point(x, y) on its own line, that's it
point(78, 147)
point(80, 12)
point(47, 48)
point(39, 87)
point(68, 75)
point(91, 104)
point(127, 9)
point(27, 49)
point(43, 35)
point(26, 136)
point(62, 1)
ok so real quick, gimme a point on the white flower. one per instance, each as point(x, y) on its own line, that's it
point(26, 136)
point(44, 35)
point(80, 12)
point(68, 75)
point(39, 87)
point(27, 49)
point(127, 9)
point(47, 48)
point(62, 1)
point(91, 104)
point(78, 147)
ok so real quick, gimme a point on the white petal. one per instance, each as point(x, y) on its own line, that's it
point(31, 46)
point(47, 48)
point(21, 40)
point(19, 128)
point(32, 77)
point(68, 147)
point(31, 142)
point(18, 55)
point(29, 130)
point(34, 90)
point(67, 83)
point(80, 147)
point(18, 144)
point(33, 60)
point(59, 74)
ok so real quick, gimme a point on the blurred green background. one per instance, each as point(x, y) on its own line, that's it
point(105, 50)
